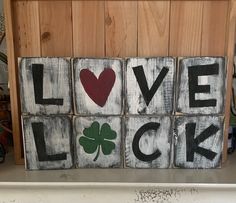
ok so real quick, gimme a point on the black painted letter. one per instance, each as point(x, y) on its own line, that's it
point(192, 144)
point(193, 73)
point(38, 131)
point(135, 145)
point(37, 71)
point(142, 81)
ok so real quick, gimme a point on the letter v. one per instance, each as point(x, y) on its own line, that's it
point(142, 81)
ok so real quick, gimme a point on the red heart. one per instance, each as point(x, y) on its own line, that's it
point(98, 89)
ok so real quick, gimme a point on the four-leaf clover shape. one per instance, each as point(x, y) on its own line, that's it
point(95, 139)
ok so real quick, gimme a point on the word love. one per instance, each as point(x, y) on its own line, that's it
point(77, 112)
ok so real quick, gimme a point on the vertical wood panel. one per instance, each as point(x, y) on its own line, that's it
point(56, 28)
point(14, 94)
point(26, 36)
point(121, 28)
point(186, 28)
point(230, 42)
point(214, 28)
point(153, 28)
point(88, 28)
point(26, 28)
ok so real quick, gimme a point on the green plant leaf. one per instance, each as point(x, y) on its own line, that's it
point(92, 131)
point(89, 145)
point(95, 140)
point(107, 147)
point(107, 132)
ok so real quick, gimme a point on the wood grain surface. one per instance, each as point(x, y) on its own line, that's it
point(121, 28)
point(230, 51)
point(13, 78)
point(213, 28)
point(153, 28)
point(27, 28)
point(185, 28)
point(88, 28)
point(56, 28)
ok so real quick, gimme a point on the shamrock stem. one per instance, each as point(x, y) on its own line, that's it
point(98, 152)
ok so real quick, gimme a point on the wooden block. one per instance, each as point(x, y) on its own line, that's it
point(98, 141)
point(150, 85)
point(45, 85)
point(201, 86)
point(98, 86)
point(47, 142)
point(148, 142)
point(198, 141)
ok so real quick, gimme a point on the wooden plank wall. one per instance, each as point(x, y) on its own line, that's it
point(119, 28)
point(116, 29)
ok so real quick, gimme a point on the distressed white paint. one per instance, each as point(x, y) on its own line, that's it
point(84, 105)
point(213, 143)
point(56, 84)
point(57, 135)
point(162, 101)
point(85, 160)
point(149, 142)
point(216, 82)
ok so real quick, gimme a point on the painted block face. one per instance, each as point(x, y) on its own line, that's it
point(45, 85)
point(199, 141)
point(201, 85)
point(98, 142)
point(98, 86)
point(150, 85)
point(47, 142)
point(148, 142)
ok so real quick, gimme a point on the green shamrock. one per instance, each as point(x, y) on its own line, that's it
point(94, 139)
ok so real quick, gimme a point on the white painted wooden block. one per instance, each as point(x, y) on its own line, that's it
point(201, 86)
point(198, 141)
point(98, 141)
point(148, 142)
point(45, 85)
point(47, 142)
point(98, 86)
point(150, 85)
